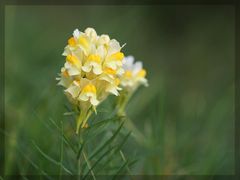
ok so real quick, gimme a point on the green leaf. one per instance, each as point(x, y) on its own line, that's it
point(125, 160)
point(80, 150)
point(51, 159)
point(117, 149)
point(32, 163)
point(61, 152)
point(104, 145)
point(63, 136)
point(107, 142)
point(99, 159)
point(132, 162)
point(89, 166)
point(120, 169)
point(101, 123)
point(123, 142)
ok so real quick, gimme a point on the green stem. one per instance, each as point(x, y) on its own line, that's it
point(79, 159)
point(79, 121)
point(122, 103)
point(125, 161)
point(82, 119)
point(140, 138)
point(89, 165)
point(79, 169)
point(61, 152)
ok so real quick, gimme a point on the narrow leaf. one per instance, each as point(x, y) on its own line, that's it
point(120, 169)
point(107, 152)
point(89, 166)
point(51, 159)
point(63, 136)
point(117, 149)
point(107, 142)
point(61, 152)
point(80, 150)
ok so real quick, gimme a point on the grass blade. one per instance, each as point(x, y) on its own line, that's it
point(89, 166)
point(33, 164)
point(63, 136)
point(108, 151)
point(118, 148)
point(123, 142)
point(104, 154)
point(107, 142)
point(132, 162)
point(61, 152)
point(100, 123)
point(125, 160)
point(51, 159)
point(120, 169)
point(80, 150)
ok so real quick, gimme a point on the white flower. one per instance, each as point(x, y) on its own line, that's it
point(64, 79)
point(134, 74)
point(113, 87)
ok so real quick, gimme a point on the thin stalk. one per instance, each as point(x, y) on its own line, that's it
point(125, 161)
point(89, 165)
point(79, 121)
point(79, 158)
point(61, 152)
point(82, 119)
point(140, 138)
point(121, 105)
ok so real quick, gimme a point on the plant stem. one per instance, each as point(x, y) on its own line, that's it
point(61, 152)
point(124, 159)
point(79, 121)
point(121, 105)
point(140, 138)
point(89, 165)
point(82, 119)
point(79, 160)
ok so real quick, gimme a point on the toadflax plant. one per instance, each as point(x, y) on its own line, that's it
point(94, 68)
point(90, 73)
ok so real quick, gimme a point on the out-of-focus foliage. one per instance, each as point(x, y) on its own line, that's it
point(186, 113)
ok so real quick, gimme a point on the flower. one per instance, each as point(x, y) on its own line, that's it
point(90, 73)
point(134, 74)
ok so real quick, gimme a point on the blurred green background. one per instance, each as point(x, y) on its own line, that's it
point(188, 109)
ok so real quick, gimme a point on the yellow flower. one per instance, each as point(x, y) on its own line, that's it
point(93, 63)
point(91, 71)
point(89, 93)
point(134, 74)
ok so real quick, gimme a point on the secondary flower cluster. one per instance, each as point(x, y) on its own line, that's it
point(134, 74)
point(95, 67)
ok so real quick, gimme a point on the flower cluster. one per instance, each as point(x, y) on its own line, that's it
point(134, 74)
point(91, 71)
point(95, 67)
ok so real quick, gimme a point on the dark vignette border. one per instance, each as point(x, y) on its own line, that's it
point(234, 3)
